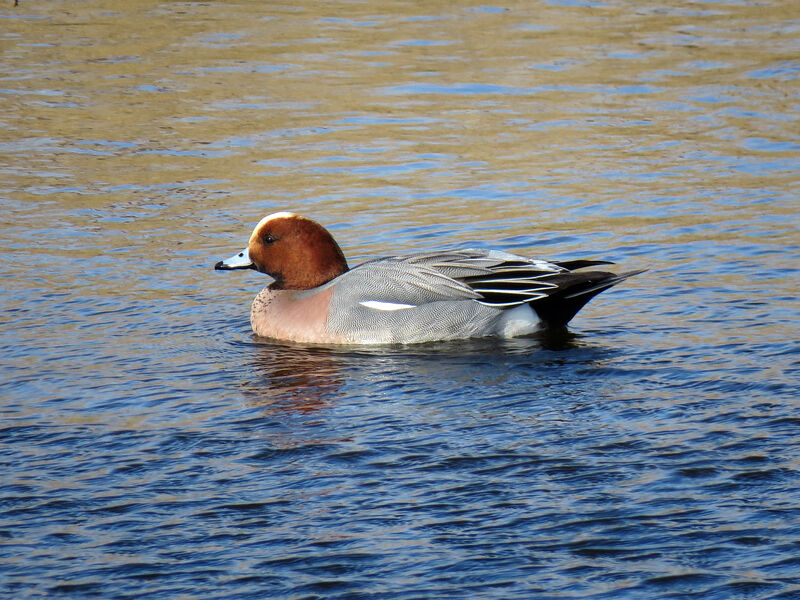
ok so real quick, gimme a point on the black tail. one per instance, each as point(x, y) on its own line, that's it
point(573, 292)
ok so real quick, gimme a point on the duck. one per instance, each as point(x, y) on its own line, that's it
point(427, 296)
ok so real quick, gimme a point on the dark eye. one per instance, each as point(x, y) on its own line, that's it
point(268, 239)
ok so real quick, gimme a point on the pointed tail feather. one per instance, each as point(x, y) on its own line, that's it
point(574, 291)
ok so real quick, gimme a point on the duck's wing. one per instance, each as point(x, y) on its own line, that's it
point(509, 280)
point(556, 291)
point(401, 281)
point(491, 277)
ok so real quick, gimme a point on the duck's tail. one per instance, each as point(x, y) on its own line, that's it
point(573, 291)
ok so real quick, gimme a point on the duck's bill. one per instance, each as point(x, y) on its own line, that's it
point(237, 261)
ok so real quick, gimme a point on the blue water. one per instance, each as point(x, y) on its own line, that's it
point(495, 469)
point(151, 447)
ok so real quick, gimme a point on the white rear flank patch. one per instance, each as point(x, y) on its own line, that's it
point(521, 320)
point(377, 305)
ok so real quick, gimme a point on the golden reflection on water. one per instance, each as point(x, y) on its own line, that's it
point(154, 135)
point(362, 103)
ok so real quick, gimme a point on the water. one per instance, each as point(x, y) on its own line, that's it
point(151, 447)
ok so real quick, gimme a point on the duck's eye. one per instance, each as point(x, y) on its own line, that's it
point(268, 239)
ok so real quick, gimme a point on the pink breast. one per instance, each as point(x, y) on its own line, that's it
point(292, 315)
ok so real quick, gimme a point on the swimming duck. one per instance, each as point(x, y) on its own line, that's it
point(426, 296)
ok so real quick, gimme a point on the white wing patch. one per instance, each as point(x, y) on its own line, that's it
point(377, 305)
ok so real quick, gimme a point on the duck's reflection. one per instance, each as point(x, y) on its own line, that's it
point(298, 378)
point(305, 378)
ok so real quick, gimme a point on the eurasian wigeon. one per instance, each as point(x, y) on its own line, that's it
point(421, 297)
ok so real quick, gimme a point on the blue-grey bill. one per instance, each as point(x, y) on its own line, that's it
point(237, 261)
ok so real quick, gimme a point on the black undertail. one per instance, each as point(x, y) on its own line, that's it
point(572, 293)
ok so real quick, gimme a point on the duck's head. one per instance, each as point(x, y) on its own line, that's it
point(297, 252)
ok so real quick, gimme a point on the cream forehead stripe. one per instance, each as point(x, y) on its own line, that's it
point(268, 218)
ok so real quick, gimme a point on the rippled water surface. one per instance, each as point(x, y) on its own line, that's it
point(152, 447)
